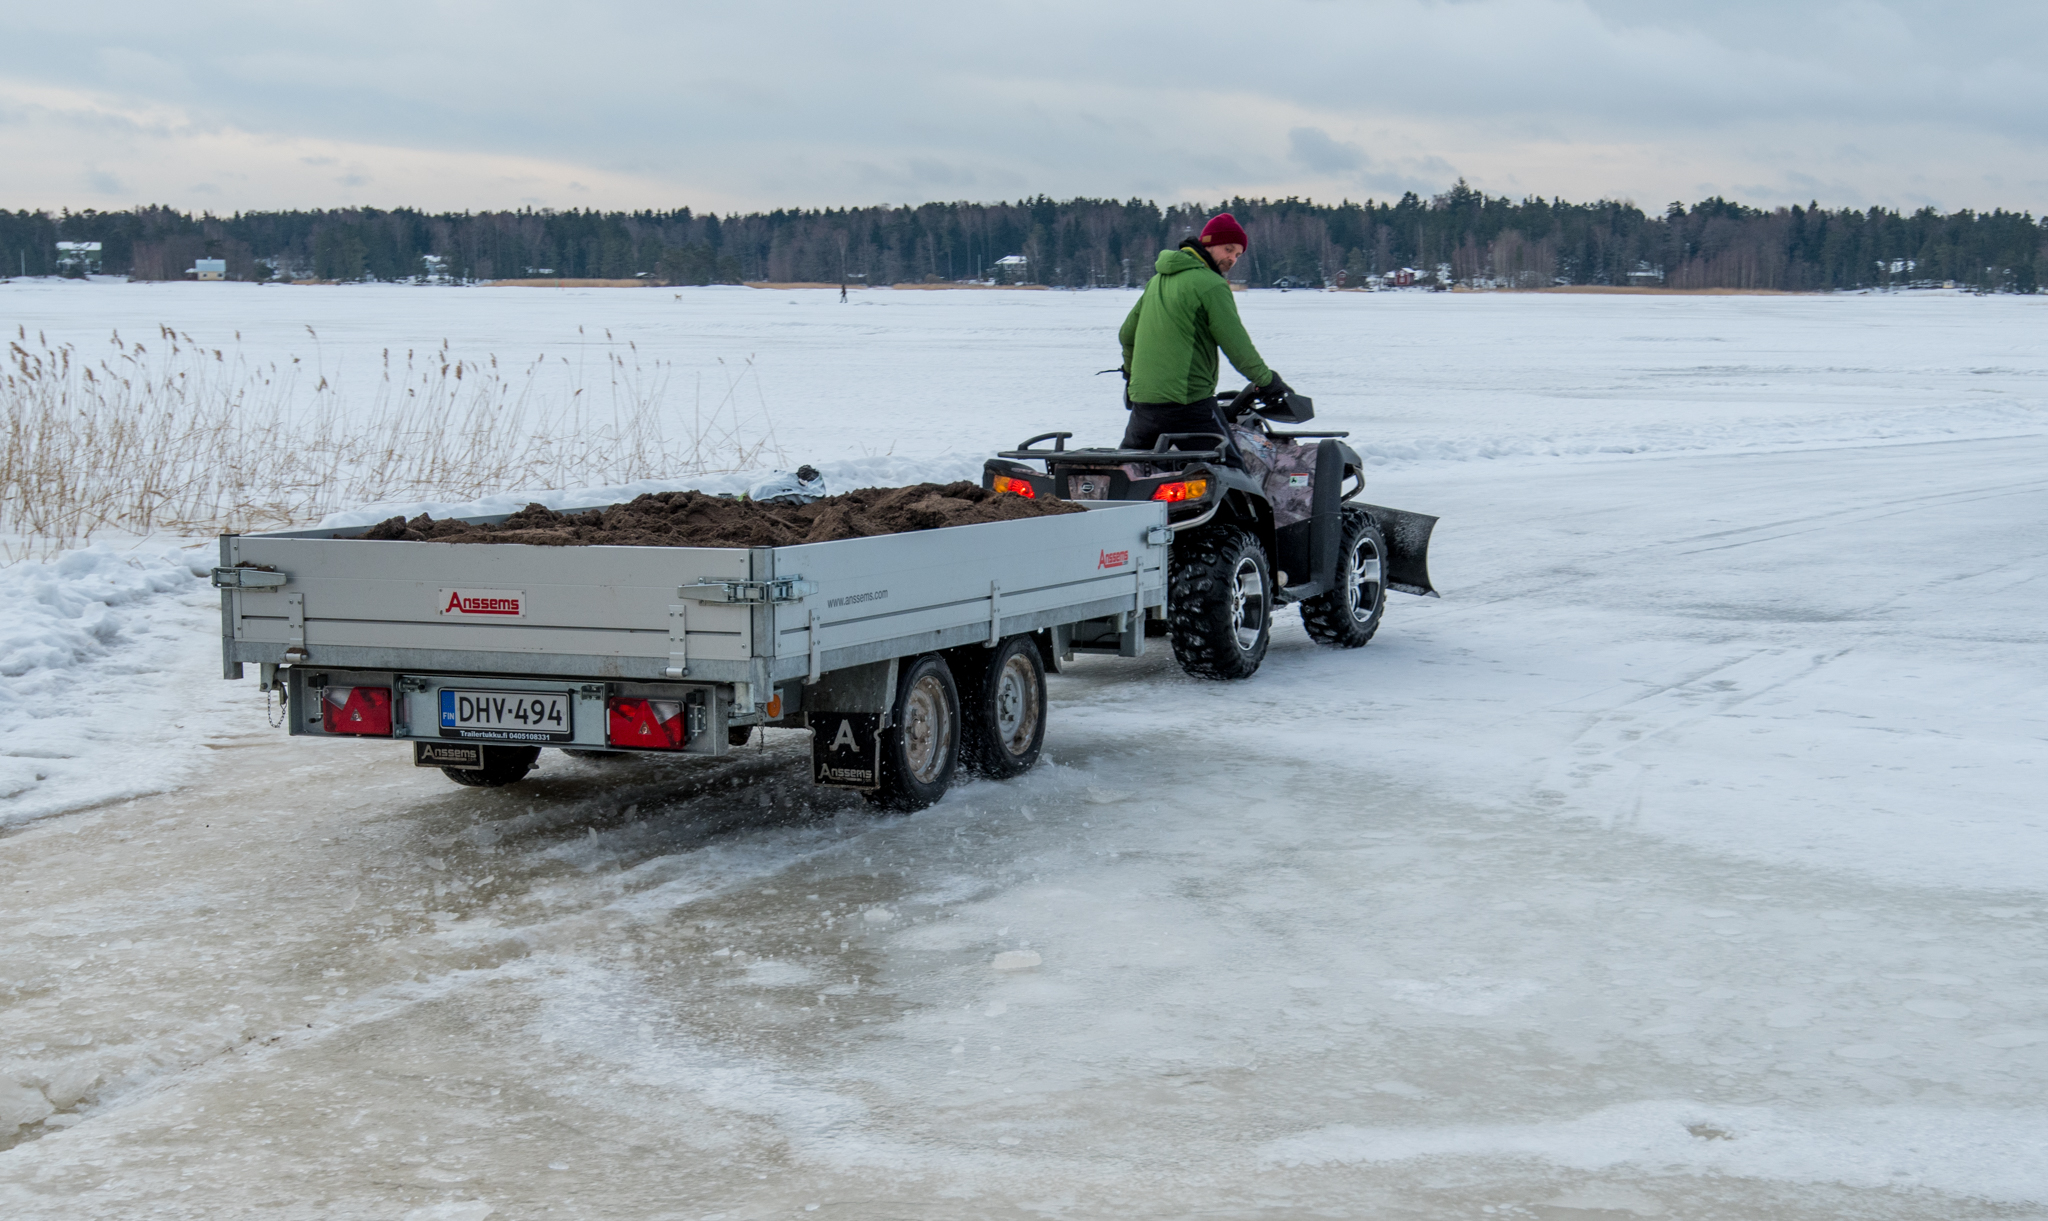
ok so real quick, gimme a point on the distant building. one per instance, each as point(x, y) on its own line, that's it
point(84, 256)
point(1012, 266)
point(208, 269)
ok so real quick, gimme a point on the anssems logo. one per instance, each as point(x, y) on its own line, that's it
point(1113, 559)
point(482, 603)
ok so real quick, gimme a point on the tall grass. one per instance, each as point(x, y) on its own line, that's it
point(175, 436)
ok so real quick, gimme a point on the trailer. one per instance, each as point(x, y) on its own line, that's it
point(908, 655)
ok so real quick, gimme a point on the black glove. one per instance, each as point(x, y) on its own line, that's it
point(1275, 391)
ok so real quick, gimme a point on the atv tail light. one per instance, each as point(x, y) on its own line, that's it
point(646, 724)
point(1015, 486)
point(1185, 489)
point(361, 711)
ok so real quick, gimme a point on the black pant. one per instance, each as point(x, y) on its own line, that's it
point(1149, 421)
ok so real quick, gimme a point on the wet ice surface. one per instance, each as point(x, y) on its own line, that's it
point(1683, 861)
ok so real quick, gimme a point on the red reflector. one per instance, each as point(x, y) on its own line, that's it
point(646, 724)
point(1016, 487)
point(363, 711)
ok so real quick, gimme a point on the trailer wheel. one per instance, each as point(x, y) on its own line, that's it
point(1348, 615)
point(502, 766)
point(921, 746)
point(1003, 709)
point(1220, 604)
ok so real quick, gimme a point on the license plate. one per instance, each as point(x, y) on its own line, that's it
point(505, 716)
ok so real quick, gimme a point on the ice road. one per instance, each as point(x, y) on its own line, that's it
point(1687, 859)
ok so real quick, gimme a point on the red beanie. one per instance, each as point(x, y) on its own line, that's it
point(1224, 231)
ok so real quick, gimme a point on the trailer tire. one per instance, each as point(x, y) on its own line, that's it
point(502, 766)
point(1348, 615)
point(1002, 709)
point(921, 746)
point(1220, 602)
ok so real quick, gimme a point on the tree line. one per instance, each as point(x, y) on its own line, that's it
point(1462, 237)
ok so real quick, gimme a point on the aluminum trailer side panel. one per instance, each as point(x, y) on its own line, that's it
point(901, 594)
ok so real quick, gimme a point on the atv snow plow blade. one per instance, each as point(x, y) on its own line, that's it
point(1407, 537)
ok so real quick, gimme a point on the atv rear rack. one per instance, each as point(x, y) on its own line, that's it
point(1158, 455)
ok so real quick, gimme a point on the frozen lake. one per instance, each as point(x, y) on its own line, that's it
point(1686, 859)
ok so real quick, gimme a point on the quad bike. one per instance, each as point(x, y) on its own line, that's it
point(1261, 519)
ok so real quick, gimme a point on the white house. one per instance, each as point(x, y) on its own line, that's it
point(208, 269)
point(83, 255)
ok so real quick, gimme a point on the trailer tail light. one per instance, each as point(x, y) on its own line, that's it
point(645, 724)
point(362, 711)
point(1015, 486)
point(1184, 489)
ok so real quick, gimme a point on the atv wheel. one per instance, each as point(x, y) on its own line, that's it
point(502, 766)
point(1002, 715)
point(1220, 609)
point(921, 747)
point(1348, 615)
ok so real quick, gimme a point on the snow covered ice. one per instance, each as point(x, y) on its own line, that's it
point(1685, 860)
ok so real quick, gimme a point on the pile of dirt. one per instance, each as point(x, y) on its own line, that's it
point(693, 519)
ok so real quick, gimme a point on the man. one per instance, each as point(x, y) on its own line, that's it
point(1170, 339)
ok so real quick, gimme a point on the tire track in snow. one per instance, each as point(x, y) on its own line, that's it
point(1597, 775)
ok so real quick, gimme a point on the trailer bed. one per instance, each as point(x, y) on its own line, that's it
point(757, 616)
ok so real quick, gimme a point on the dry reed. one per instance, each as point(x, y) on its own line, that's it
point(181, 438)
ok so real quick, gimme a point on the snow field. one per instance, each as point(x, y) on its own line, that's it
point(1419, 377)
point(1683, 861)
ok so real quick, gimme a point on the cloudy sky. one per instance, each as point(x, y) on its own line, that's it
point(453, 104)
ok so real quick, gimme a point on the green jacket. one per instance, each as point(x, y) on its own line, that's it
point(1170, 338)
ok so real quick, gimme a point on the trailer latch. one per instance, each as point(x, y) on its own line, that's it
point(1155, 535)
point(782, 589)
point(247, 578)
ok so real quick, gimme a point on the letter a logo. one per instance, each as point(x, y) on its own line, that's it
point(454, 602)
point(845, 736)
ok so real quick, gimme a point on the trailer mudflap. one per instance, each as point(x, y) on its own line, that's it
point(1407, 536)
point(846, 749)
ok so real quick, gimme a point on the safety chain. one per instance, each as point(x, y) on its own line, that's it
point(277, 720)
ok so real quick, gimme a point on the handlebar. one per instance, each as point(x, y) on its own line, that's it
point(1297, 409)
point(1237, 405)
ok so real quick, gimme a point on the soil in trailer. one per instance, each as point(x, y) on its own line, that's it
point(693, 519)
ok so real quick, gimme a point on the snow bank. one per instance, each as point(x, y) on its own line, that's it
point(96, 650)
